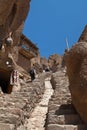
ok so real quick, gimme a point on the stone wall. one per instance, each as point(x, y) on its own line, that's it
point(22, 60)
point(28, 53)
point(62, 115)
point(15, 108)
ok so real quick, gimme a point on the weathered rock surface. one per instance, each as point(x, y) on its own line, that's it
point(44, 62)
point(83, 37)
point(54, 62)
point(13, 13)
point(76, 62)
point(12, 17)
point(61, 113)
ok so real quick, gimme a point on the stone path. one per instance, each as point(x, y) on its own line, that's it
point(38, 116)
point(61, 113)
point(16, 108)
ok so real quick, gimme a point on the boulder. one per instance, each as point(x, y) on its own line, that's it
point(13, 13)
point(76, 63)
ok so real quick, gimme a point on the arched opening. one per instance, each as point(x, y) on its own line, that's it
point(5, 81)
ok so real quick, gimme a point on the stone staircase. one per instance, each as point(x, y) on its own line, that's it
point(16, 107)
point(61, 112)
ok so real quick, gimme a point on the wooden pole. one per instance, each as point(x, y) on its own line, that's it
point(67, 45)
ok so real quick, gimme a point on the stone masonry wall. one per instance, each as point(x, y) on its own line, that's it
point(61, 112)
point(22, 60)
point(15, 108)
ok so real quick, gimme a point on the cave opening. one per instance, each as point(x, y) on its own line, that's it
point(5, 82)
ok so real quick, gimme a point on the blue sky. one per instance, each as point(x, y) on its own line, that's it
point(50, 22)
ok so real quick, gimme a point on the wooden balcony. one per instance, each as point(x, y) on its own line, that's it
point(27, 48)
point(27, 53)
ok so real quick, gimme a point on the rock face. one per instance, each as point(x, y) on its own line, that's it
point(44, 62)
point(12, 17)
point(76, 62)
point(13, 14)
point(83, 36)
point(55, 62)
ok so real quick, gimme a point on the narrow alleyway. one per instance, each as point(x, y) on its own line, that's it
point(38, 116)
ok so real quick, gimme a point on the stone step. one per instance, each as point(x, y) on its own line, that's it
point(60, 97)
point(6, 126)
point(60, 101)
point(66, 127)
point(64, 109)
point(64, 119)
point(14, 111)
point(10, 118)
